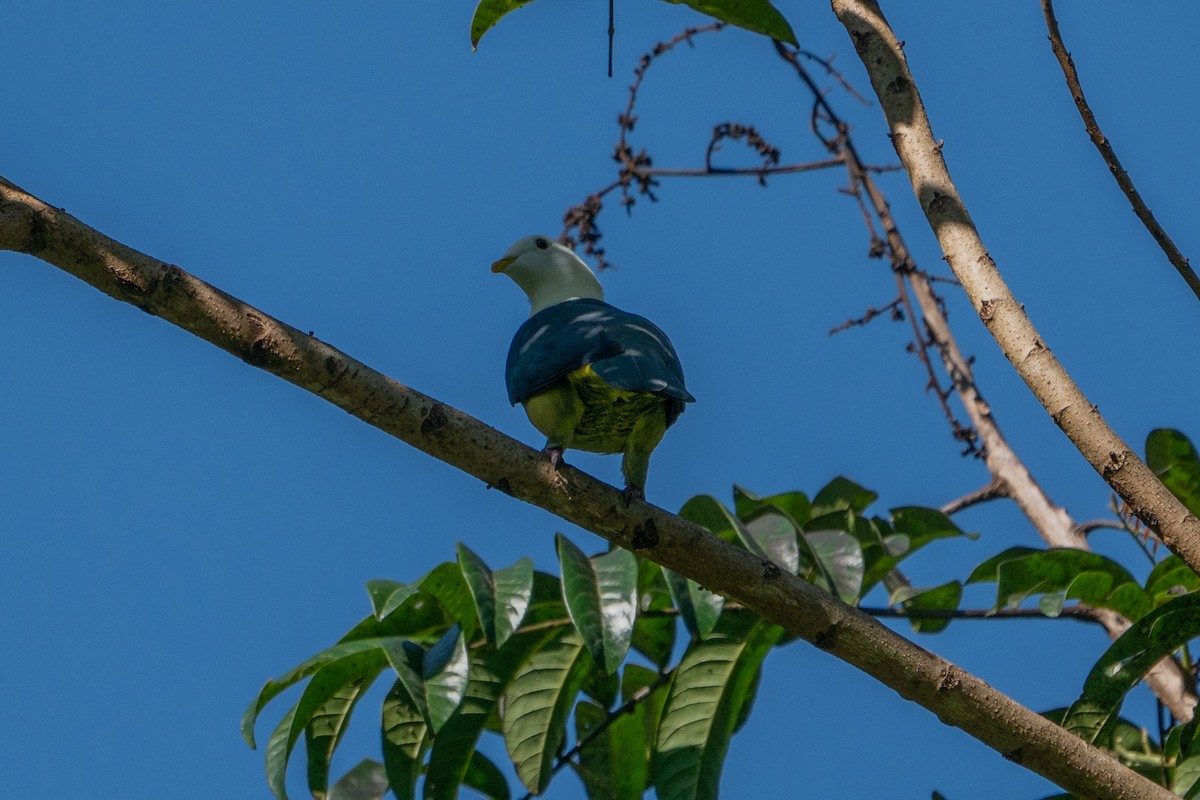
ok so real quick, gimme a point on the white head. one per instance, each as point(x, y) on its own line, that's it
point(548, 272)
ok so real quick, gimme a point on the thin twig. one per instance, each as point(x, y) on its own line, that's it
point(1173, 254)
point(994, 490)
point(1080, 613)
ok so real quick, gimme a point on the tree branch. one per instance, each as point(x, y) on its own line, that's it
point(883, 56)
point(958, 698)
point(1165, 243)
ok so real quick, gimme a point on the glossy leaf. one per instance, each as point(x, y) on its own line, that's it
point(1186, 780)
point(1075, 574)
point(488, 13)
point(386, 596)
point(446, 584)
point(451, 757)
point(601, 596)
point(1171, 578)
point(366, 781)
point(939, 598)
point(650, 691)
point(698, 607)
point(842, 494)
point(923, 525)
point(405, 739)
point(795, 504)
point(615, 763)
point(758, 16)
point(709, 513)
point(501, 598)
point(278, 750)
point(841, 559)
point(653, 635)
point(325, 729)
point(1173, 458)
point(445, 676)
point(1148, 640)
point(486, 778)
point(537, 703)
point(305, 669)
point(711, 685)
point(772, 535)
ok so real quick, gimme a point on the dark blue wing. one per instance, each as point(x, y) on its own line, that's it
point(626, 351)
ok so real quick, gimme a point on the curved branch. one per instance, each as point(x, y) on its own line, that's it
point(1165, 243)
point(883, 56)
point(958, 698)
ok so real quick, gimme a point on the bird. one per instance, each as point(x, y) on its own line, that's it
point(589, 375)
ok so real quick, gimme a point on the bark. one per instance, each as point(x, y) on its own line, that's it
point(883, 56)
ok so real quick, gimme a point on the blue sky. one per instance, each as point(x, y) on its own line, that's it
point(178, 527)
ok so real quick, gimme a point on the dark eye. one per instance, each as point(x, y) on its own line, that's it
point(542, 244)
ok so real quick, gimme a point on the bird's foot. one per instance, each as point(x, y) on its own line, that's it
point(632, 493)
point(554, 454)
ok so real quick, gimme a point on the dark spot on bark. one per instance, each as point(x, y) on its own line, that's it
point(987, 309)
point(770, 570)
point(899, 85)
point(948, 680)
point(1016, 756)
point(503, 485)
point(645, 535)
point(826, 639)
point(435, 420)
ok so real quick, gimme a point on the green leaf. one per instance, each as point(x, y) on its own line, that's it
point(1173, 458)
point(772, 535)
point(601, 596)
point(446, 583)
point(306, 668)
point(387, 596)
point(1076, 574)
point(699, 607)
point(1171, 578)
point(325, 729)
point(1186, 781)
point(405, 739)
point(615, 764)
point(653, 636)
point(501, 598)
point(758, 16)
point(1159, 633)
point(939, 598)
point(488, 13)
point(537, 703)
point(450, 759)
point(841, 560)
point(486, 778)
point(278, 750)
point(445, 674)
point(842, 494)
point(711, 684)
point(650, 691)
point(708, 512)
point(794, 504)
point(924, 525)
point(366, 781)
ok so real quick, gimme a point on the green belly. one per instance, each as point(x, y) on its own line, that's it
point(583, 412)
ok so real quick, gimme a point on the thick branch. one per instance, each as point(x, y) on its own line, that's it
point(1161, 237)
point(957, 697)
point(1004, 317)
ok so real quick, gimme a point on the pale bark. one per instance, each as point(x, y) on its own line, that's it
point(1005, 318)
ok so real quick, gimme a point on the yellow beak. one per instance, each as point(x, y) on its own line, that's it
point(502, 264)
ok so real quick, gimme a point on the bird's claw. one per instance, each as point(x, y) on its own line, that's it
point(632, 493)
point(554, 454)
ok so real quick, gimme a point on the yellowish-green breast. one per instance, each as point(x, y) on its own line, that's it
point(583, 412)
